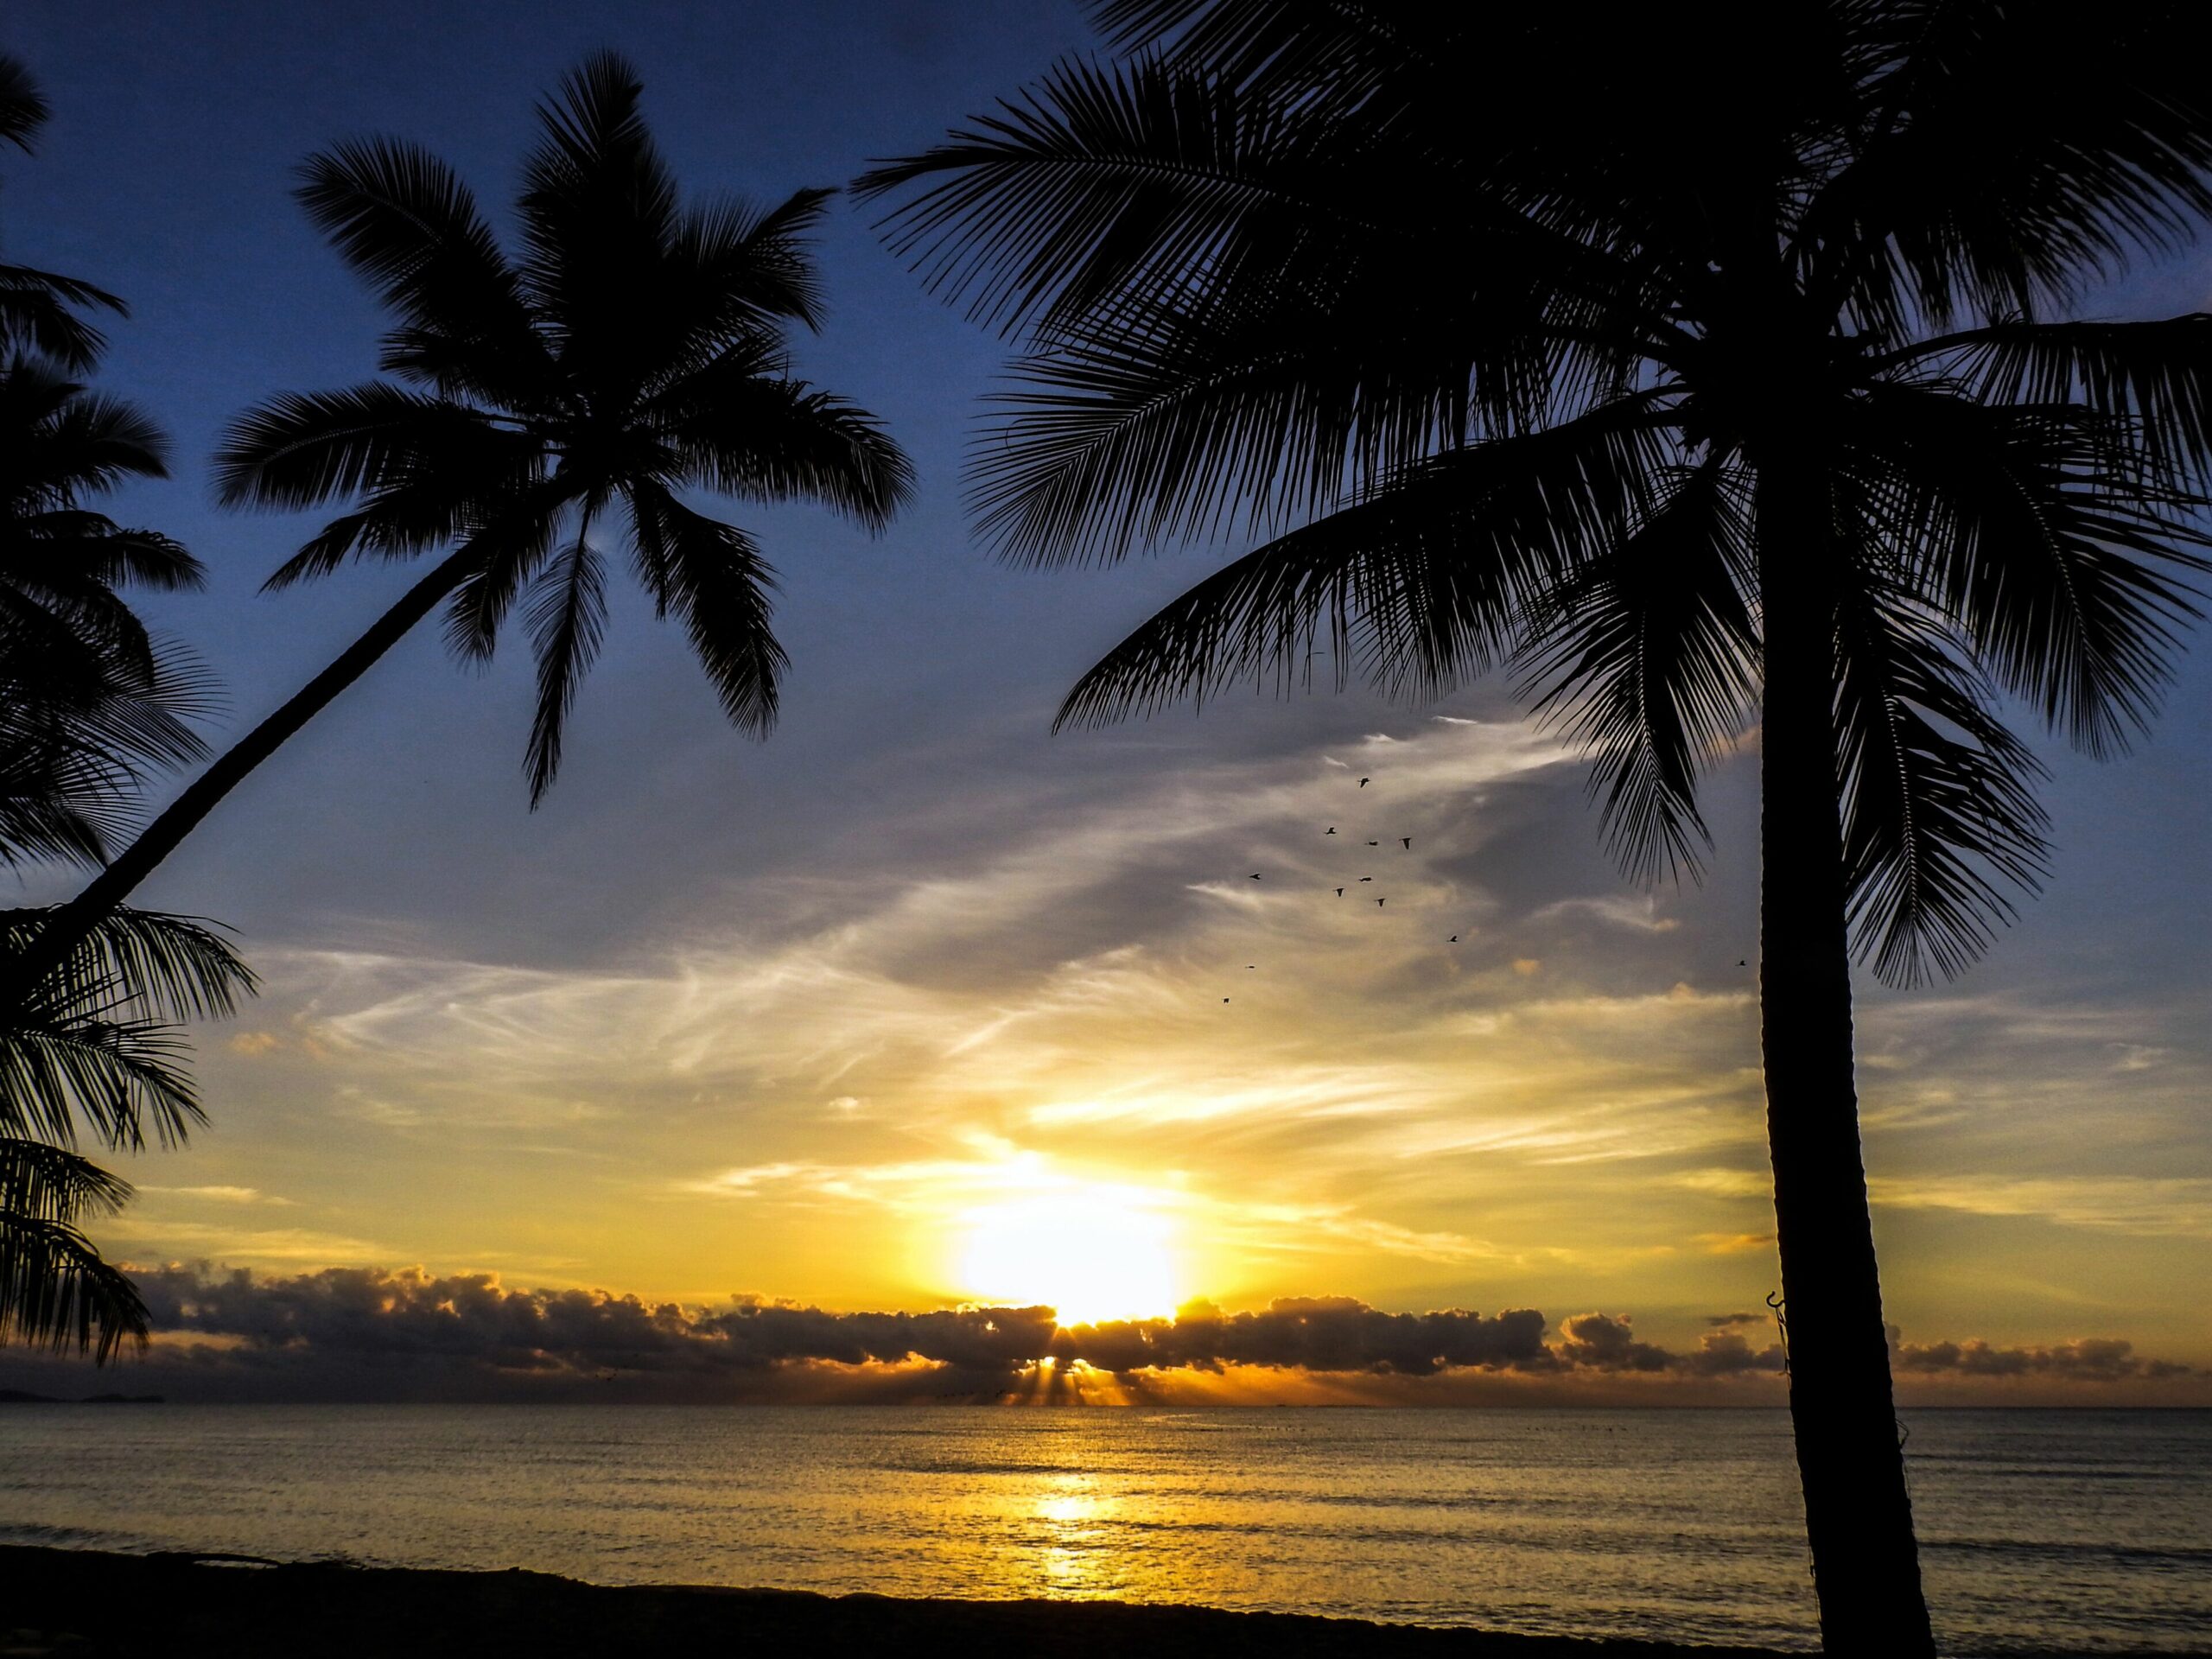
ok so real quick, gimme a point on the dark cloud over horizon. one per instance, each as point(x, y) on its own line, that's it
point(406, 1334)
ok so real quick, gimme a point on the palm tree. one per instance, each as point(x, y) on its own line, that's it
point(634, 350)
point(96, 1049)
point(90, 702)
point(1704, 391)
point(38, 309)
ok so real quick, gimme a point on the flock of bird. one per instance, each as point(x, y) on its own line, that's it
point(1404, 841)
point(1407, 842)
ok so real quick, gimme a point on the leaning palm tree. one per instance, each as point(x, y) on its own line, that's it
point(96, 1051)
point(38, 309)
point(634, 350)
point(1706, 393)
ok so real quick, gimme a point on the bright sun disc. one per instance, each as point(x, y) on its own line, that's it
point(1089, 1257)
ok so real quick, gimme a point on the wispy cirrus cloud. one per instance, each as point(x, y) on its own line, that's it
point(1485, 1082)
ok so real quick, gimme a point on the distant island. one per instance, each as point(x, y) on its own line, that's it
point(24, 1397)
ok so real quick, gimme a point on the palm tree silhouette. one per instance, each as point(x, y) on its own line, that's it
point(38, 309)
point(90, 704)
point(1702, 395)
point(96, 1048)
point(89, 701)
point(634, 350)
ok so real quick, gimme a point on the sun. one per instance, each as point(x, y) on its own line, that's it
point(1089, 1255)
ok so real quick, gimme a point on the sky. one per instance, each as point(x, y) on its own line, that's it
point(915, 1008)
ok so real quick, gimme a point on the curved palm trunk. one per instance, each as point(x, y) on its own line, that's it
point(1858, 1513)
point(72, 923)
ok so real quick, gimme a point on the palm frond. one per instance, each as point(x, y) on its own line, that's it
point(1939, 810)
point(36, 316)
point(1283, 42)
point(1421, 585)
point(405, 221)
point(2061, 556)
point(509, 545)
point(118, 1076)
point(95, 1040)
point(599, 211)
point(1191, 433)
point(83, 720)
point(712, 578)
point(759, 438)
point(2012, 154)
point(2152, 379)
point(23, 108)
point(303, 449)
point(50, 1182)
point(55, 1288)
point(1647, 659)
point(566, 614)
point(1107, 180)
point(96, 442)
point(733, 270)
point(56, 1292)
point(426, 469)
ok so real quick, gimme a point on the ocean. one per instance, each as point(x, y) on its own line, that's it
point(2039, 1530)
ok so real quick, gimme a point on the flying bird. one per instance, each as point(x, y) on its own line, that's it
point(1363, 783)
point(1255, 875)
point(1408, 840)
point(1251, 965)
point(1367, 878)
point(1454, 939)
point(1375, 844)
point(1743, 963)
point(1331, 831)
point(1340, 892)
point(1380, 902)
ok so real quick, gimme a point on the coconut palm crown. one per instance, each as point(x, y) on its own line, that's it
point(1709, 366)
point(632, 351)
point(1436, 287)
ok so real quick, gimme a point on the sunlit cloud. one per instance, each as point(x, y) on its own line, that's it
point(377, 1333)
point(1484, 1085)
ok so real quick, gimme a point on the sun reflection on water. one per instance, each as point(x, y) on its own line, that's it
point(1072, 1515)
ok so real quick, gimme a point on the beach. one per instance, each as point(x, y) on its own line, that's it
point(68, 1602)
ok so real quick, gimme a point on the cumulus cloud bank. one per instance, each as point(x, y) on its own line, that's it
point(406, 1334)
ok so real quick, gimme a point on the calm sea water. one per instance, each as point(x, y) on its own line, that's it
point(2040, 1530)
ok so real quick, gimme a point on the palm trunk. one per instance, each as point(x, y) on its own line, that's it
point(1858, 1513)
point(71, 924)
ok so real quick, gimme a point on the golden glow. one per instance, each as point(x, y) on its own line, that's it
point(1090, 1254)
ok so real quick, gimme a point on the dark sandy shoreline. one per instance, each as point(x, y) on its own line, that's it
point(81, 1603)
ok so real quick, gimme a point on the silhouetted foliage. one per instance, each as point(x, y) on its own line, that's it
point(55, 1288)
point(97, 1051)
point(636, 349)
point(91, 704)
point(1704, 366)
point(38, 309)
point(89, 701)
point(633, 350)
